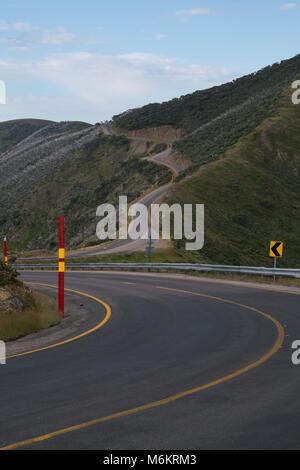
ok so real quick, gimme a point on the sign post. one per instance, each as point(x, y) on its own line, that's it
point(276, 251)
point(5, 257)
point(61, 265)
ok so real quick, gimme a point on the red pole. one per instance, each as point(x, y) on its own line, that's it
point(5, 257)
point(61, 265)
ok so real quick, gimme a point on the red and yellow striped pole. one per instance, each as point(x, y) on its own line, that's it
point(5, 257)
point(61, 265)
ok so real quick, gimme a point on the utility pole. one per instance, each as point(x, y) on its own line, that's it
point(150, 247)
point(275, 267)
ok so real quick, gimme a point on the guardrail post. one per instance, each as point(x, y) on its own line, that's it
point(275, 267)
point(61, 265)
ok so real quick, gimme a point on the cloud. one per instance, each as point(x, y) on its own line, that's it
point(16, 27)
point(56, 37)
point(160, 36)
point(194, 12)
point(105, 84)
point(288, 6)
point(23, 36)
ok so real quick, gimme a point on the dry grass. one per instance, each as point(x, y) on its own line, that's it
point(43, 314)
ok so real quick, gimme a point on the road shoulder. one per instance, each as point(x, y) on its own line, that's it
point(77, 319)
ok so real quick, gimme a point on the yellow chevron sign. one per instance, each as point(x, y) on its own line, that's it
point(276, 249)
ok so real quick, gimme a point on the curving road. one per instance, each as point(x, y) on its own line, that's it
point(110, 247)
point(122, 246)
point(181, 364)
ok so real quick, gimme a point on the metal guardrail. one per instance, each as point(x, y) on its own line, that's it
point(167, 267)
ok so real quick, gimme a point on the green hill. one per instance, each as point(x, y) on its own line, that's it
point(68, 168)
point(213, 120)
point(13, 132)
point(241, 141)
point(251, 194)
point(196, 109)
point(95, 174)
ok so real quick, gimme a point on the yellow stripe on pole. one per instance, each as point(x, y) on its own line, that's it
point(61, 267)
point(6, 260)
point(61, 253)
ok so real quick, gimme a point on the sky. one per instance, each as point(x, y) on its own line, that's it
point(87, 60)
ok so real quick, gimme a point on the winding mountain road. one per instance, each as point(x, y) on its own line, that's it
point(121, 246)
point(178, 363)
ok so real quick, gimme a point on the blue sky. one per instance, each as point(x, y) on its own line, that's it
point(87, 60)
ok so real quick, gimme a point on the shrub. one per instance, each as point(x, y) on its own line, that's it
point(8, 275)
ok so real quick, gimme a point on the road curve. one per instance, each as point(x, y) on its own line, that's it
point(182, 364)
point(121, 246)
point(111, 247)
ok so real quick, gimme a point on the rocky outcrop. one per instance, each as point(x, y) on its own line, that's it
point(9, 302)
point(164, 134)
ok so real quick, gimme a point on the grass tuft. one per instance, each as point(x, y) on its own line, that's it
point(39, 313)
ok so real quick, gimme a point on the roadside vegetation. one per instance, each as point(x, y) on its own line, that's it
point(94, 170)
point(241, 141)
point(158, 256)
point(251, 195)
point(158, 148)
point(22, 311)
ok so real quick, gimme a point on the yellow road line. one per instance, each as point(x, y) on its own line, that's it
point(75, 338)
point(171, 399)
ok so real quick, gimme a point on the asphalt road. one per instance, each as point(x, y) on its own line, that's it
point(122, 246)
point(110, 247)
point(182, 364)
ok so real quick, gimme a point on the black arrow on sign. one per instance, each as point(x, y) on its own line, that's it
point(275, 249)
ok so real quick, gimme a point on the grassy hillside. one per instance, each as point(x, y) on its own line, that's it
point(215, 119)
point(242, 140)
point(252, 194)
point(69, 168)
point(13, 132)
point(98, 172)
point(194, 110)
point(215, 137)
